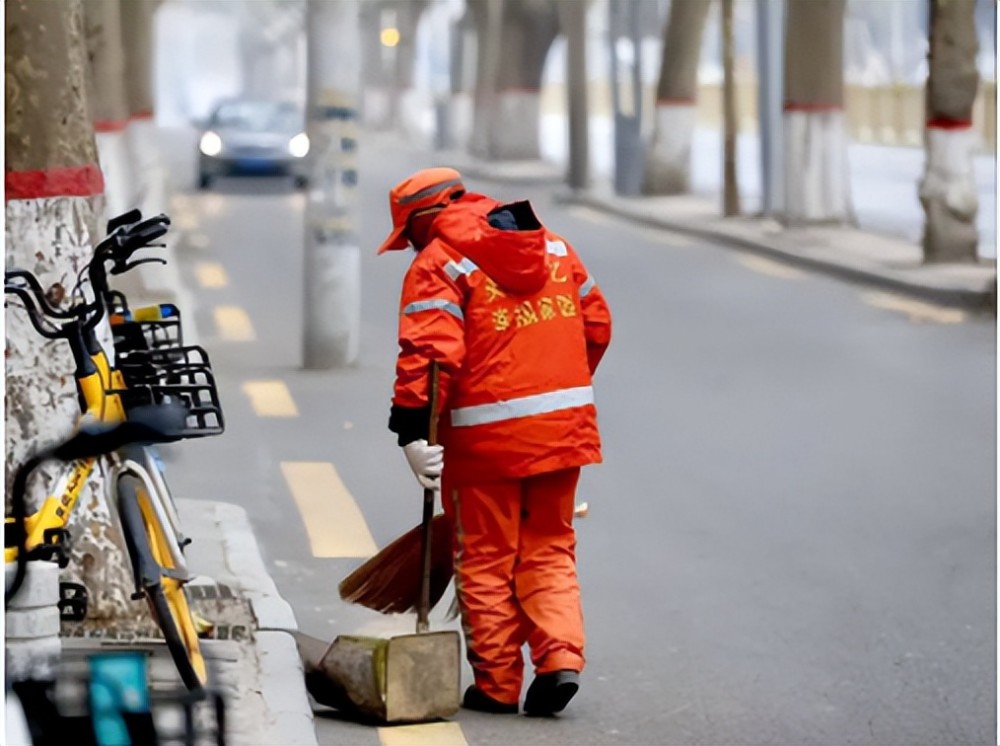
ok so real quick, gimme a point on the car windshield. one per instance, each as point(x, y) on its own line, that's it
point(257, 116)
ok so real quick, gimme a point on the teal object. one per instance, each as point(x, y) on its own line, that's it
point(117, 686)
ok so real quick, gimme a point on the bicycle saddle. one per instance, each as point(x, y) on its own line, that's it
point(160, 423)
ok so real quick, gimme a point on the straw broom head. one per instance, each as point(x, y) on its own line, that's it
point(389, 582)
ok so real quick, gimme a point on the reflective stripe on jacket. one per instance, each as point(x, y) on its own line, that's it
point(518, 326)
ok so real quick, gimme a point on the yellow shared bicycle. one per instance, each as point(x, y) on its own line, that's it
point(152, 369)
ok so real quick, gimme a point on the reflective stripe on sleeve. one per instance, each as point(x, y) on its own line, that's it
point(556, 248)
point(587, 286)
point(525, 406)
point(464, 267)
point(434, 303)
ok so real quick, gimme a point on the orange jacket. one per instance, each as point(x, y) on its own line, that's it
point(518, 327)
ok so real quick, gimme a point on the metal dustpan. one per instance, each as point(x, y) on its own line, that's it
point(407, 678)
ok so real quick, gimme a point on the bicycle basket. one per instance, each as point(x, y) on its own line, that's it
point(161, 366)
point(195, 388)
point(150, 328)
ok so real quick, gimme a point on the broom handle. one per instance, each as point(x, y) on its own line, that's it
point(424, 604)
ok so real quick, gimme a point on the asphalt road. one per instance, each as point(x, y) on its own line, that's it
point(792, 539)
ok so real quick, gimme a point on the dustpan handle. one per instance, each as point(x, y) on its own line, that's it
point(424, 602)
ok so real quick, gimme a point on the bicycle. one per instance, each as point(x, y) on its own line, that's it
point(111, 700)
point(145, 373)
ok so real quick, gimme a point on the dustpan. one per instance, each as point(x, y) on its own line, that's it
point(407, 678)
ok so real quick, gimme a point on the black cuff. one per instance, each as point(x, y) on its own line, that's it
point(410, 423)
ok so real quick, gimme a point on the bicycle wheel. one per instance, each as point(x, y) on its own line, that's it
point(165, 595)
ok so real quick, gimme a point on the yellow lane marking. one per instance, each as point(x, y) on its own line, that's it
point(211, 275)
point(769, 267)
point(430, 734)
point(918, 311)
point(198, 241)
point(234, 324)
point(186, 221)
point(332, 518)
point(270, 399)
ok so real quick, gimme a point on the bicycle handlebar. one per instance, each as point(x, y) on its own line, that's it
point(33, 313)
point(127, 234)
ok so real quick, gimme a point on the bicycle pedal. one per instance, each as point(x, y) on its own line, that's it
point(73, 598)
point(204, 627)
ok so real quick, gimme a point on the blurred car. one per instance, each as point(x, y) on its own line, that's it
point(253, 137)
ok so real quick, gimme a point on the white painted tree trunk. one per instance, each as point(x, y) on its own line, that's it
point(516, 133)
point(54, 237)
point(816, 169)
point(668, 161)
point(120, 187)
point(948, 191)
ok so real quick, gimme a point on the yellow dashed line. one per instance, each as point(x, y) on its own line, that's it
point(918, 311)
point(430, 734)
point(234, 324)
point(186, 221)
point(198, 241)
point(270, 399)
point(769, 267)
point(211, 275)
point(331, 516)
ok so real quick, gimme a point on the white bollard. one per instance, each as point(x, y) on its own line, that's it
point(32, 640)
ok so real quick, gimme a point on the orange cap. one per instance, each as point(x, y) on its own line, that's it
point(429, 187)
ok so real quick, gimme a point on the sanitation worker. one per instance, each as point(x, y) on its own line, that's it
point(518, 327)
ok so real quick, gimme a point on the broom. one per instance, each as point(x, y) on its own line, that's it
point(389, 582)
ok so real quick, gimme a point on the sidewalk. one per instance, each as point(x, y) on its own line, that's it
point(883, 261)
point(252, 658)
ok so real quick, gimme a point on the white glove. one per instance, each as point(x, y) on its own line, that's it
point(426, 461)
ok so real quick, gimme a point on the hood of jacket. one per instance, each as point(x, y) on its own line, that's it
point(506, 241)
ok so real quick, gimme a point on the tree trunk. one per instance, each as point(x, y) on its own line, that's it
point(730, 184)
point(529, 27)
point(948, 188)
point(407, 98)
point(816, 171)
point(668, 162)
point(377, 90)
point(137, 39)
point(332, 297)
point(54, 201)
point(573, 20)
point(487, 16)
point(109, 110)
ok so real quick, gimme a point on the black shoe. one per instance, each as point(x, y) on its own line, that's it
point(549, 693)
point(474, 699)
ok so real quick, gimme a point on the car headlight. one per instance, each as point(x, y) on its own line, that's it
point(299, 145)
point(211, 144)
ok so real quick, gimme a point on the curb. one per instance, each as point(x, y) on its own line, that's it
point(282, 676)
point(981, 299)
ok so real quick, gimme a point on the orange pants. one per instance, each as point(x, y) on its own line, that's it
point(515, 572)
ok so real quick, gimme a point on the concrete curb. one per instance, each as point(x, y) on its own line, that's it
point(281, 675)
point(969, 287)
